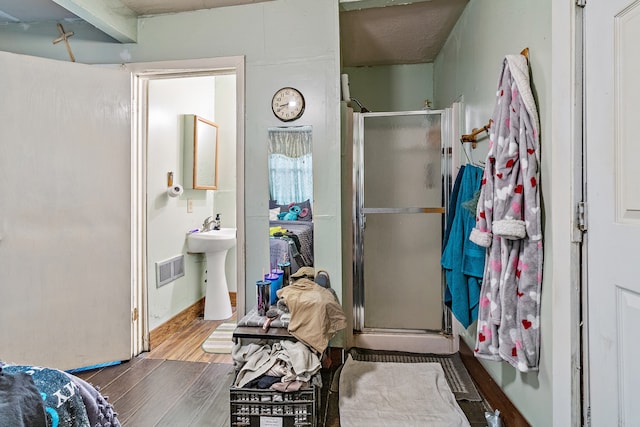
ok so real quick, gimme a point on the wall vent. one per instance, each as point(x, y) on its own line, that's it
point(169, 270)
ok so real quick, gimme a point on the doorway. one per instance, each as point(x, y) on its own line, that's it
point(149, 201)
point(401, 188)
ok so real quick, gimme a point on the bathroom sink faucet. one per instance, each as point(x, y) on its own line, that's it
point(208, 224)
point(211, 224)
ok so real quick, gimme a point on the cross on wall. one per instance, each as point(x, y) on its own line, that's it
point(64, 36)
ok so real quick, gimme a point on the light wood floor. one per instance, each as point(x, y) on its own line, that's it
point(186, 344)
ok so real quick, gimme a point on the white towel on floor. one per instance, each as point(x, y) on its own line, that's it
point(397, 394)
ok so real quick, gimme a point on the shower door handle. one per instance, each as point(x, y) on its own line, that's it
point(428, 210)
point(362, 221)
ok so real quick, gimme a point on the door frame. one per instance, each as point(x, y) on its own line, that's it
point(579, 239)
point(180, 68)
point(564, 134)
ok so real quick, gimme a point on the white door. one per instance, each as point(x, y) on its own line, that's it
point(65, 213)
point(612, 117)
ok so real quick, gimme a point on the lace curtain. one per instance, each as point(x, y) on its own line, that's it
point(290, 165)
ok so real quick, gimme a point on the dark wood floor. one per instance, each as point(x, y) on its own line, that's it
point(177, 384)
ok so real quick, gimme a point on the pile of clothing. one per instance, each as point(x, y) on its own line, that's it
point(282, 365)
point(315, 316)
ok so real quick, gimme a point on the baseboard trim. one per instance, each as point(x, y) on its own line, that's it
point(232, 296)
point(161, 333)
point(177, 322)
point(509, 414)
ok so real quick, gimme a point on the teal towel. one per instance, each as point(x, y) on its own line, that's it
point(463, 260)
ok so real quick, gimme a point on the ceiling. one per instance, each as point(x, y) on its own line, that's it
point(372, 32)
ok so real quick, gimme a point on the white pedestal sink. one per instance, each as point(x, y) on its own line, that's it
point(214, 244)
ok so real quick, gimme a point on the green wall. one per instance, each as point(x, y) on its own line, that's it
point(391, 87)
point(467, 69)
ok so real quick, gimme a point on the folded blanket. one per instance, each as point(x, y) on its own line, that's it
point(252, 318)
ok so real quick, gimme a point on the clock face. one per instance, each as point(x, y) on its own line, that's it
point(287, 104)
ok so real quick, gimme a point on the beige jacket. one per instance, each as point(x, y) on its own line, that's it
point(316, 315)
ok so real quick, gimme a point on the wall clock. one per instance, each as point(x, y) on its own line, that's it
point(287, 104)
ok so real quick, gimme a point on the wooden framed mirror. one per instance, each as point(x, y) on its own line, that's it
point(201, 153)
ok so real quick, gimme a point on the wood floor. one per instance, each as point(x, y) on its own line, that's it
point(176, 384)
point(179, 385)
point(186, 345)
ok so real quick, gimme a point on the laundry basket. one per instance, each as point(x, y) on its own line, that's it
point(257, 407)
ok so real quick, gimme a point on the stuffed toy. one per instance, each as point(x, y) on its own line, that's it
point(293, 213)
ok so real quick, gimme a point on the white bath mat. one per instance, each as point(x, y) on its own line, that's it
point(220, 341)
point(389, 394)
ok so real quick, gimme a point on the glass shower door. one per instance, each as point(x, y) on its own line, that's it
point(399, 222)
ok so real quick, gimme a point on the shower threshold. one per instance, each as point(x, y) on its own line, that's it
point(434, 342)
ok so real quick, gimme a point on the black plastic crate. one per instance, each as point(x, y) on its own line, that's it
point(255, 407)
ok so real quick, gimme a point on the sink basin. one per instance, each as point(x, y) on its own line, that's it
point(211, 241)
point(214, 244)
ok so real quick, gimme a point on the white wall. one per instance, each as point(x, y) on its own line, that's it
point(467, 68)
point(303, 54)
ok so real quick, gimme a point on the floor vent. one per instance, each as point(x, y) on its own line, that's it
point(169, 270)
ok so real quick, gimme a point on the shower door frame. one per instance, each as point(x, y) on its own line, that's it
point(377, 337)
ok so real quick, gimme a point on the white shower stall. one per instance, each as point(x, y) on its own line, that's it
point(402, 165)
